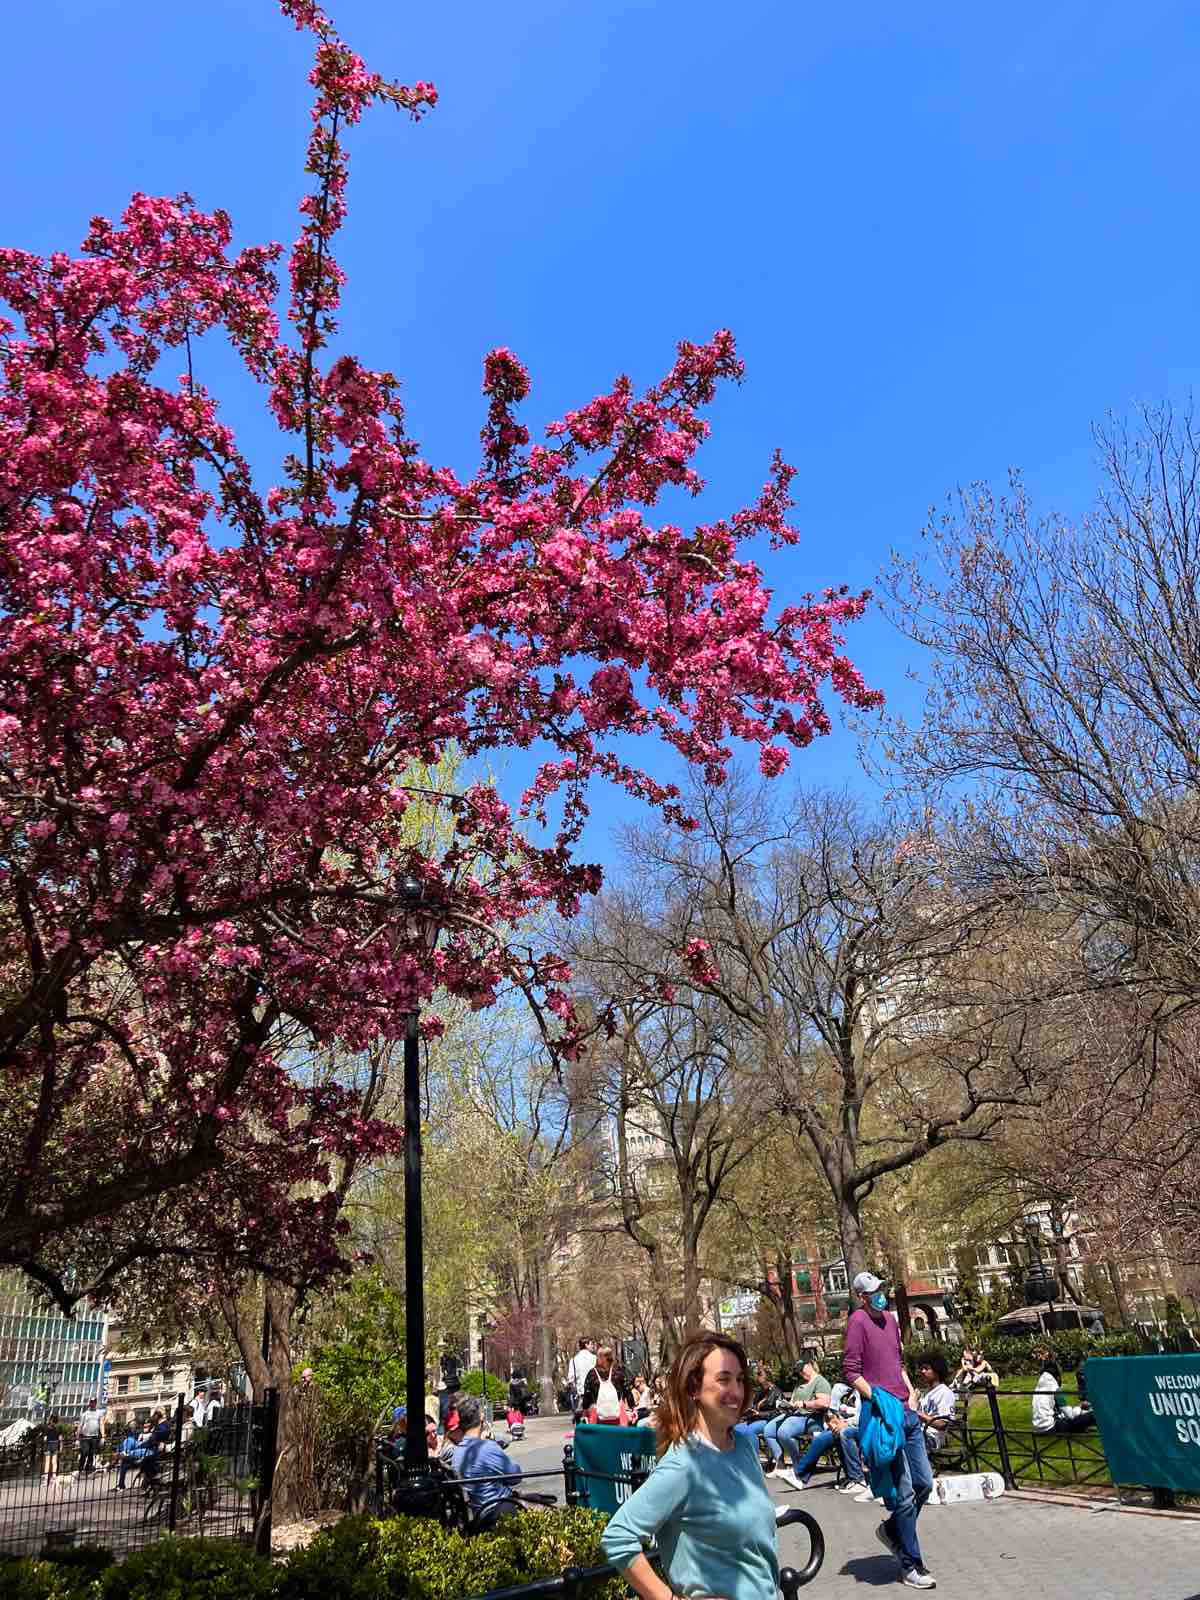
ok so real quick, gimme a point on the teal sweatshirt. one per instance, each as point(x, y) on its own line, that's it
point(712, 1518)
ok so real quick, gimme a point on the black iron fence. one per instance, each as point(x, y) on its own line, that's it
point(1021, 1455)
point(212, 1482)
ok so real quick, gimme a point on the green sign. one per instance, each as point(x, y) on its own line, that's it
point(1148, 1408)
point(606, 1458)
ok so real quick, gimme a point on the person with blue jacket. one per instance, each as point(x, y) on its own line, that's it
point(891, 1435)
point(705, 1503)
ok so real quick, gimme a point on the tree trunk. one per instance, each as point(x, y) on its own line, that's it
point(850, 1231)
point(1114, 1277)
point(271, 1371)
point(547, 1399)
point(691, 1268)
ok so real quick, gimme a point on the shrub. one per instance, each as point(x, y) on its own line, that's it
point(472, 1383)
point(30, 1578)
point(1013, 1356)
point(189, 1569)
point(410, 1558)
point(341, 1561)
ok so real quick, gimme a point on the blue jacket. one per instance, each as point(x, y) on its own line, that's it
point(881, 1438)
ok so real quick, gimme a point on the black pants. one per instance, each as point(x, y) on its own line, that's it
point(87, 1454)
point(1079, 1424)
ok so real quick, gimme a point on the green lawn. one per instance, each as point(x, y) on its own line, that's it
point(1076, 1458)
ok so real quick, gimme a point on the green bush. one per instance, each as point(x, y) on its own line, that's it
point(30, 1578)
point(1013, 1356)
point(189, 1569)
point(409, 1558)
point(400, 1558)
point(472, 1383)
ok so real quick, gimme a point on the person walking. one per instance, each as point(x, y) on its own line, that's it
point(606, 1395)
point(871, 1362)
point(581, 1364)
point(705, 1504)
point(52, 1435)
point(91, 1435)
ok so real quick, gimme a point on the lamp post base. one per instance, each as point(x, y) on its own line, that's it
point(418, 1495)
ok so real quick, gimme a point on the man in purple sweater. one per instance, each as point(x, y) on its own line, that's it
point(872, 1360)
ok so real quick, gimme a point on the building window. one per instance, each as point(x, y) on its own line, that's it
point(146, 1381)
point(123, 1385)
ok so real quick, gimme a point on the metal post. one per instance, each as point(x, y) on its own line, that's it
point(268, 1450)
point(1001, 1441)
point(417, 1493)
point(176, 1463)
point(416, 1449)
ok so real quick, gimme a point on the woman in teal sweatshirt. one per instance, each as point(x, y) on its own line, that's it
point(705, 1504)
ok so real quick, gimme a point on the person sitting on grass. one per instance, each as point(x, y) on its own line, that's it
point(936, 1405)
point(1051, 1414)
point(975, 1371)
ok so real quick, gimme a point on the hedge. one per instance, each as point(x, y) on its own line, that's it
point(360, 1558)
point(1013, 1357)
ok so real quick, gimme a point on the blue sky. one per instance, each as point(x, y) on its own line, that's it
point(948, 239)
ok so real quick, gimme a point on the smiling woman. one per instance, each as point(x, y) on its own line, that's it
point(705, 1503)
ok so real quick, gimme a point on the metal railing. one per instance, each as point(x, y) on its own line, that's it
point(1023, 1454)
point(214, 1484)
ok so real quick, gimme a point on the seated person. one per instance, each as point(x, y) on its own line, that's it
point(840, 1428)
point(476, 1457)
point(806, 1406)
point(1050, 1412)
point(975, 1371)
point(131, 1454)
point(937, 1405)
point(764, 1406)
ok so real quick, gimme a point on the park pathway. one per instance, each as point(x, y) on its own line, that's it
point(1007, 1549)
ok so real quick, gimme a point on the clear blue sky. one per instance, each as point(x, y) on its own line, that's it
point(947, 238)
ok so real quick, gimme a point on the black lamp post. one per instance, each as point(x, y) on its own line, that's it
point(1039, 1283)
point(417, 1492)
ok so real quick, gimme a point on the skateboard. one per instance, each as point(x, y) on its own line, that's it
point(958, 1487)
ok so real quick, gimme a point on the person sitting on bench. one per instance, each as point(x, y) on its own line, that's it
point(477, 1457)
point(937, 1405)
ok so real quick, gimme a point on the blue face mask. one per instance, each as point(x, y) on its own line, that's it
point(878, 1301)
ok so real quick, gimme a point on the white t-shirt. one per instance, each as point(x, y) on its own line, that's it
point(937, 1402)
point(582, 1363)
point(89, 1425)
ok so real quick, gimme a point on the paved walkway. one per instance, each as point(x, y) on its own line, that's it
point(1007, 1549)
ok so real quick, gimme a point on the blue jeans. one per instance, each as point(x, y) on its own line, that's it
point(753, 1430)
point(847, 1443)
point(912, 1478)
point(788, 1427)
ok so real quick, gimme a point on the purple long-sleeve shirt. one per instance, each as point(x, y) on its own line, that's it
point(873, 1352)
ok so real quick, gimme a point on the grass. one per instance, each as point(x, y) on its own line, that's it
point(1036, 1458)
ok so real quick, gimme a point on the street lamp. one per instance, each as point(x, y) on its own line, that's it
point(416, 1494)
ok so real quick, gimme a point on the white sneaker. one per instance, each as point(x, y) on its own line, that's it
point(787, 1476)
point(850, 1487)
point(864, 1497)
point(918, 1578)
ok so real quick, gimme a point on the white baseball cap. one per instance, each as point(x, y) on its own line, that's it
point(867, 1283)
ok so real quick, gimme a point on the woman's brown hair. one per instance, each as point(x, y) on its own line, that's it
point(677, 1411)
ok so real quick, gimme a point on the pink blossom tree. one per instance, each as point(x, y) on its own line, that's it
point(214, 695)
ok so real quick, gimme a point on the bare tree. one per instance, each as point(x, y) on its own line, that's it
point(878, 997)
point(673, 1079)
